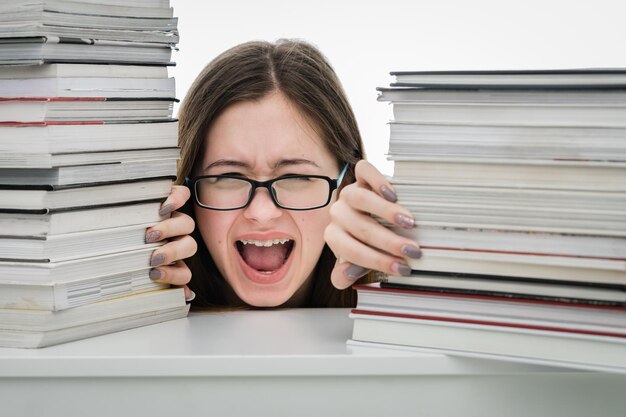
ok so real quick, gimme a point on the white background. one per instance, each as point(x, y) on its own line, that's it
point(365, 40)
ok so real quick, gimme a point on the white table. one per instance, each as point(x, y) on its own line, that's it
point(283, 363)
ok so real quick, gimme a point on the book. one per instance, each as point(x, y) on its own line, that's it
point(66, 272)
point(56, 296)
point(50, 160)
point(514, 287)
point(553, 209)
point(520, 265)
point(93, 7)
point(56, 198)
point(498, 95)
point(494, 341)
point(38, 20)
point(84, 109)
point(507, 310)
point(530, 241)
point(507, 142)
point(39, 328)
point(70, 220)
point(88, 174)
point(82, 71)
point(50, 138)
point(507, 114)
point(73, 245)
point(513, 173)
point(87, 87)
point(44, 49)
point(552, 78)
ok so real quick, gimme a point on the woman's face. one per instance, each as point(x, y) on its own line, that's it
point(265, 253)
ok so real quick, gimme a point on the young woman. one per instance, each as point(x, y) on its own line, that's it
point(268, 140)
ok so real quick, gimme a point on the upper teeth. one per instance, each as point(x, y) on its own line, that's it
point(266, 243)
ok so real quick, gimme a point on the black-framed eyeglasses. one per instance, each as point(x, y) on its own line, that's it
point(291, 192)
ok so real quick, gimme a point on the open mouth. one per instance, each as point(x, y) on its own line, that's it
point(265, 256)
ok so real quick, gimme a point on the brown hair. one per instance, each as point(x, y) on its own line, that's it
point(251, 71)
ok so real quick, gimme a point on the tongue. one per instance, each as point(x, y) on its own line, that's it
point(264, 258)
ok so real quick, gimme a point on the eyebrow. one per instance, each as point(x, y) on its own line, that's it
point(279, 164)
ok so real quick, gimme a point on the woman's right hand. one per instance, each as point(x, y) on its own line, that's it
point(360, 242)
point(167, 259)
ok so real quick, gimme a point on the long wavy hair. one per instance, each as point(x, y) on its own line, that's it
point(251, 71)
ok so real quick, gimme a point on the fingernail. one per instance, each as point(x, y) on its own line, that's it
point(401, 269)
point(404, 221)
point(412, 251)
point(166, 210)
point(355, 272)
point(192, 296)
point(388, 194)
point(155, 274)
point(157, 260)
point(153, 236)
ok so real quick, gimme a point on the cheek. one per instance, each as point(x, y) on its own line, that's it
point(312, 227)
point(213, 227)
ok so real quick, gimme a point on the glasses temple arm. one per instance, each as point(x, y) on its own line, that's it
point(342, 174)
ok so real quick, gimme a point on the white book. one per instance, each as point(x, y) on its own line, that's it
point(44, 200)
point(68, 109)
point(82, 71)
point(57, 296)
point(584, 211)
point(95, 7)
point(561, 348)
point(45, 139)
point(512, 114)
point(49, 160)
point(33, 29)
point(14, 22)
point(67, 272)
point(512, 173)
point(503, 95)
point(88, 174)
point(136, 3)
point(549, 78)
point(73, 245)
point(516, 240)
point(88, 87)
point(563, 268)
point(39, 50)
point(79, 220)
point(35, 328)
point(518, 142)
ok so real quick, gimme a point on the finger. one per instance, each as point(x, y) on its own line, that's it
point(359, 197)
point(344, 274)
point(175, 274)
point(371, 178)
point(177, 198)
point(358, 253)
point(189, 295)
point(178, 248)
point(178, 225)
point(372, 233)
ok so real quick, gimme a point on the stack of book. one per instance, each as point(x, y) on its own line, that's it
point(517, 181)
point(88, 151)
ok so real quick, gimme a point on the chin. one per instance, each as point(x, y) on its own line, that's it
point(265, 298)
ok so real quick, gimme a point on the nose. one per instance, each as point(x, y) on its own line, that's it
point(262, 208)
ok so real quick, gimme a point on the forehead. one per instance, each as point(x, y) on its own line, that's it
point(264, 131)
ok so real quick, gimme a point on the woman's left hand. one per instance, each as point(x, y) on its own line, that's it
point(359, 241)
